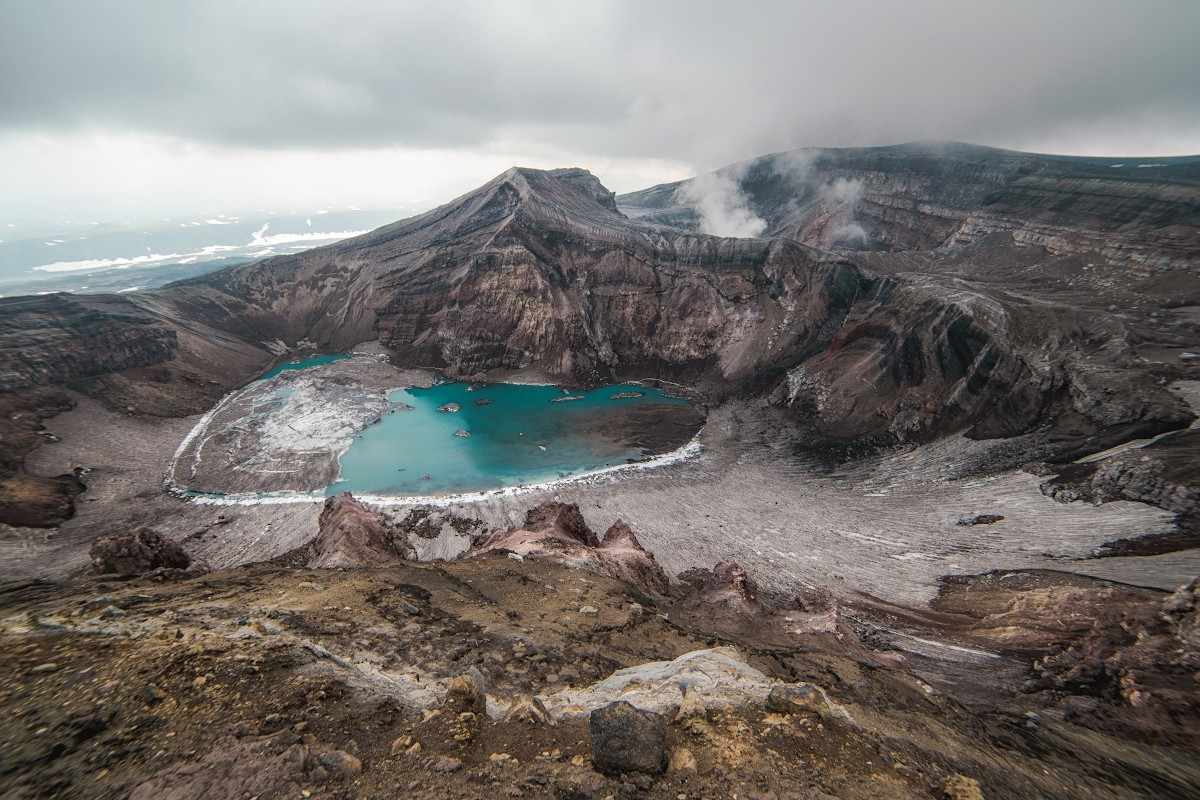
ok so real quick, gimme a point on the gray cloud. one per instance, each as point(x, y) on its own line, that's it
point(707, 83)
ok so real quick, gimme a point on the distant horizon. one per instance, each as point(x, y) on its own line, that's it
point(143, 254)
point(49, 224)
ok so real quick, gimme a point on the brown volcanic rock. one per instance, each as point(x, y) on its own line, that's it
point(725, 599)
point(1031, 612)
point(623, 557)
point(1142, 660)
point(558, 532)
point(562, 518)
point(726, 585)
point(354, 535)
point(137, 553)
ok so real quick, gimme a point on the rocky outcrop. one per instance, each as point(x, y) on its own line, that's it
point(353, 535)
point(558, 532)
point(918, 356)
point(727, 585)
point(560, 519)
point(1032, 612)
point(137, 553)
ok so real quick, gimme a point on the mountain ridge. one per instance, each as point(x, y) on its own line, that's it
point(956, 314)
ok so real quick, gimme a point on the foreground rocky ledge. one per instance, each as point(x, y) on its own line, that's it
point(508, 673)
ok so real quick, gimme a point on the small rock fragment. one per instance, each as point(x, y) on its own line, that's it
point(528, 708)
point(49, 666)
point(341, 763)
point(681, 760)
point(465, 693)
point(960, 787)
point(981, 519)
point(589, 611)
point(151, 694)
point(445, 764)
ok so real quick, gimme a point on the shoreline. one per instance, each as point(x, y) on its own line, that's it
point(678, 455)
point(334, 448)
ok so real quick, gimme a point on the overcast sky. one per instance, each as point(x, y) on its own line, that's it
point(122, 107)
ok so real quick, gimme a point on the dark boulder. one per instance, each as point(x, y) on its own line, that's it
point(136, 553)
point(626, 739)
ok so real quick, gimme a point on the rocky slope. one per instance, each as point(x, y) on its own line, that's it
point(491, 676)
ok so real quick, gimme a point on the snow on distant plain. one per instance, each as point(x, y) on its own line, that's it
point(259, 241)
point(104, 263)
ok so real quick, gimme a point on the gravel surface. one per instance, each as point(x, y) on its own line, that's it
point(885, 527)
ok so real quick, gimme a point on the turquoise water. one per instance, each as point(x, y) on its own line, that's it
point(520, 438)
point(315, 361)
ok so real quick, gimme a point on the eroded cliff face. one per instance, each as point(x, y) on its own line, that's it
point(58, 338)
point(920, 355)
